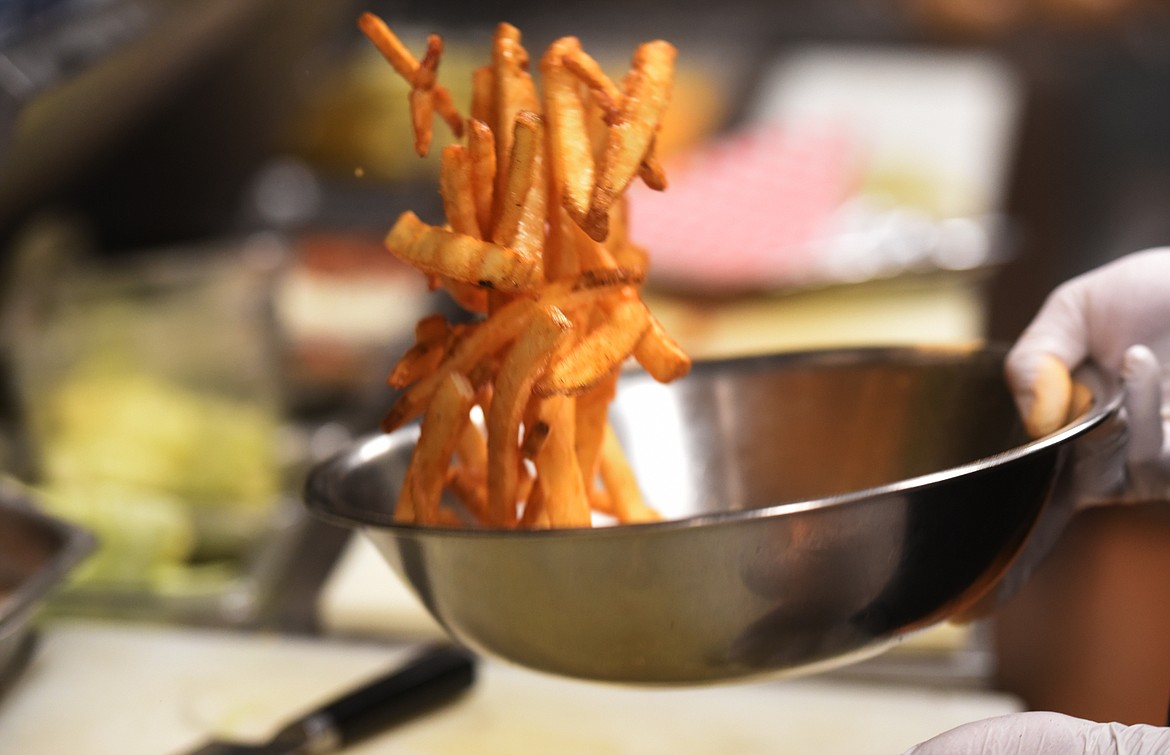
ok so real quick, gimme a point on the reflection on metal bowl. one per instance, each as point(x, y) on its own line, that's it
point(819, 506)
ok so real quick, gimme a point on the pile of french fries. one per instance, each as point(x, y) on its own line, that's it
point(515, 404)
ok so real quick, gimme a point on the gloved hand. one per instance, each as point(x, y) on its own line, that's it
point(1117, 316)
point(1042, 733)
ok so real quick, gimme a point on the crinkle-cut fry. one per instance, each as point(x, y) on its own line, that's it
point(598, 353)
point(442, 252)
point(514, 91)
point(442, 424)
point(455, 188)
point(522, 366)
point(647, 92)
point(629, 505)
point(424, 357)
point(568, 135)
point(481, 150)
point(557, 471)
point(404, 62)
point(660, 355)
point(527, 144)
point(592, 414)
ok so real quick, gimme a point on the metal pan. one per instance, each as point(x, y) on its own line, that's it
point(37, 552)
point(820, 506)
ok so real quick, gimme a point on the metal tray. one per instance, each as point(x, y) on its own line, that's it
point(37, 552)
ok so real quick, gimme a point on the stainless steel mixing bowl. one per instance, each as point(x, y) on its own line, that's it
point(819, 507)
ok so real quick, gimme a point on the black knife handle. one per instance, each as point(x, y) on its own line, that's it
point(435, 676)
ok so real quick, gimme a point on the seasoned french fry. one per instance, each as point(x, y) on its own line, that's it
point(422, 113)
point(480, 343)
point(534, 515)
point(557, 472)
point(660, 355)
point(483, 95)
point(625, 496)
point(424, 357)
point(521, 368)
point(441, 252)
point(455, 187)
point(535, 434)
point(599, 352)
point(514, 91)
point(527, 143)
point(481, 150)
point(515, 406)
point(647, 92)
point(610, 98)
point(592, 414)
point(569, 146)
point(469, 488)
point(407, 66)
point(439, 435)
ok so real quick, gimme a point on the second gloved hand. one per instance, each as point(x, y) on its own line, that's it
point(1117, 316)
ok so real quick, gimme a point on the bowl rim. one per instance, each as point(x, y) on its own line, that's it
point(1107, 400)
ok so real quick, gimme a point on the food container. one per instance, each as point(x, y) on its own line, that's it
point(152, 407)
point(819, 507)
point(37, 552)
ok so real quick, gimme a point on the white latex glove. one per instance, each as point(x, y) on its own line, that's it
point(1117, 316)
point(1042, 733)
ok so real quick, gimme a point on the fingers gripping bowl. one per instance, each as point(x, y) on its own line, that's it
point(818, 507)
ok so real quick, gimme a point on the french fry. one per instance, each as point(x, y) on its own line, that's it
point(469, 488)
point(572, 155)
point(424, 357)
point(660, 355)
point(441, 427)
point(598, 353)
point(455, 187)
point(625, 496)
point(455, 255)
point(591, 417)
point(557, 471)
point(610, 98)
point(407, 66)
point(647, 92)
point(536, 239)
point(527, 143)
point(481, 151)
point(514, 91)
point(522, 366)
point(483, 95)
point(534, 515)
point(479, 344)
point(422, 113)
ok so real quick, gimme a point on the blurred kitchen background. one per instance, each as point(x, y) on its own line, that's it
point(197, 305)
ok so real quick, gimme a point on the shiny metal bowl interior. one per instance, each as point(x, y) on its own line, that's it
point(819, 506)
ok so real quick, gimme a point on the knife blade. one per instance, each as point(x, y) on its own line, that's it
point(435, 676)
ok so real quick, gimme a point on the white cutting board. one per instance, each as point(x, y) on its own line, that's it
point(117, 689)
